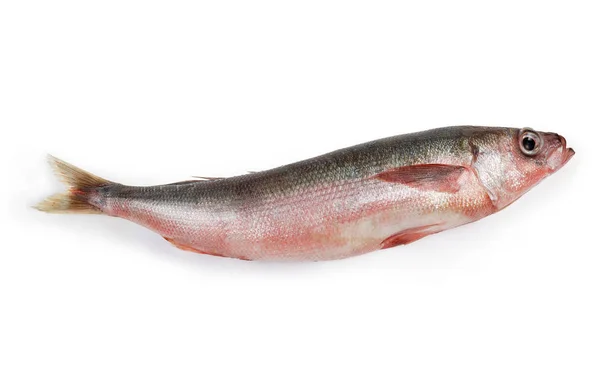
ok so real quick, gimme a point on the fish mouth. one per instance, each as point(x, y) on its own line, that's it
point(560, 154)
point(568, 151)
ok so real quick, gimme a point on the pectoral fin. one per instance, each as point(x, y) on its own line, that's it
point(435, 177)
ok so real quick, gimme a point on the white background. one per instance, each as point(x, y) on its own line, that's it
point(146, 92)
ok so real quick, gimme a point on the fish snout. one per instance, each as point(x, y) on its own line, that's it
point(558, 154)
point(567, 151)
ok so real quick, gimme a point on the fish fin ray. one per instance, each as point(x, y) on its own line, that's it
point(408, 236)
point(183, 246)
point(185, 182)
point(208, 178)
point(435, 177)
point(189, 248)
point(212, 178)
point(79, 182)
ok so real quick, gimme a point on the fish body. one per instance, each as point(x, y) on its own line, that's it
point(348, 202)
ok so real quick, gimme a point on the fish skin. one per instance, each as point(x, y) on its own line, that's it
point(348, 202)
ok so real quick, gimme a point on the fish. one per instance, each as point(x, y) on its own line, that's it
point(372, 196)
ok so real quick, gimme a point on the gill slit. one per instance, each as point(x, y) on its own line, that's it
point(475, 154)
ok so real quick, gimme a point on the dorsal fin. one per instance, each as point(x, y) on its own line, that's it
point(184, 182)
point(209, 178)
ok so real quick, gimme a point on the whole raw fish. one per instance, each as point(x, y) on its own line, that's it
point(355, 200)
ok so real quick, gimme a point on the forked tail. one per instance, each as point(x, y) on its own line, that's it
point(81, 184)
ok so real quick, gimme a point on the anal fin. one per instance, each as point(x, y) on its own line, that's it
point(182, 246)
point(192, 249)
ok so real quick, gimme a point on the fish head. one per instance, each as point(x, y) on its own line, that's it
point(509, 162)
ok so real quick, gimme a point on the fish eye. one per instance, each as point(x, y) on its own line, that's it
point(530, 142)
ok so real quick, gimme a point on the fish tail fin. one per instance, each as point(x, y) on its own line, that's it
point(81, 186)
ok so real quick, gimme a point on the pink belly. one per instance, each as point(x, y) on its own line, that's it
point(321, 225)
